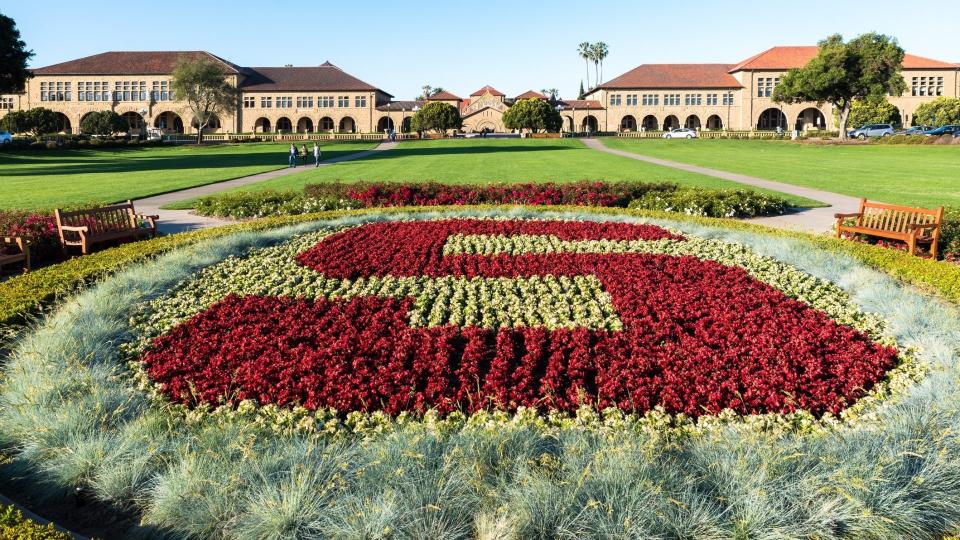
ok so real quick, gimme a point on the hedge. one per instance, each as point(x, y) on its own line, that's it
point(23, 296)
point(13, 526)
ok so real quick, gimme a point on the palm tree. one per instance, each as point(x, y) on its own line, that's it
point(599, 52)
point(585, 50)
point(551, 93)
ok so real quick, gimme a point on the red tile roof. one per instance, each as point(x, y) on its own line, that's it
point(443, 95)
point(675, 76)
point(582, 104)
point(531, 94)
point(788, 57)
point(129, 63)
point(488, 89)
point(326, 77)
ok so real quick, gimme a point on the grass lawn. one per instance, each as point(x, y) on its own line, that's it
point(464, 161)
point(44, 179)
point(917, 175)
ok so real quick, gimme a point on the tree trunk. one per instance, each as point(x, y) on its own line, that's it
point(587, 64)
point(596, 74)
point(844, 116)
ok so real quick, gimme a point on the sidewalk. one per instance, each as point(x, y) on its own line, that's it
point(814, 220)
point(174, 221)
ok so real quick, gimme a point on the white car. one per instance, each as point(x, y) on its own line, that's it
point(680, 133)
point(5, 137)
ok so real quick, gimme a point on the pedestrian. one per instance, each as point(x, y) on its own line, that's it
point(316, 155)
point(303, 154)
point(293, 155)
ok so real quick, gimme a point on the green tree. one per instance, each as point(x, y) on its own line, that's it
point(581, 94)
point(429, 91)
point(939, 112)
point(13, 57)
point(599, 52)
point(103, 123)
point(873, 110)
point(534, 115)
point(867, 66)
point(203, 85)
point(437, 116)
point(585, 51)
point(36, 121)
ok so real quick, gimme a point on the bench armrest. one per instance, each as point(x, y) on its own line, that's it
point(843, 216)
point(150, 219)
point(83, 228)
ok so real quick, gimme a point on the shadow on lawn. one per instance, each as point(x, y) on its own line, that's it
point(59, 165)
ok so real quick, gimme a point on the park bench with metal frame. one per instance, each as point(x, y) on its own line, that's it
point(911, 225)
point(90, 226)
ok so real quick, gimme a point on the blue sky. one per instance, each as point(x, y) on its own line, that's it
point(512, 45)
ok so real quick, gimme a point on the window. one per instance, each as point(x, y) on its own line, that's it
point(711, 99)
point(249, 102)
point(6, 104)
point(615, 100)
point(939, 86)
point(651, 99)
point(728, 98)
point(343, 101)
point(266, 102)
point(325, 101)
point(692, 99)
point(304, 102)
point(55, 91)
point(160, 91)
point(631, 100)
point(765, 86)
point(671, 99)
point(360, 101)
point(284, 102)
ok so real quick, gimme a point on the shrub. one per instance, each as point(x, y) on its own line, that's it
point(13, 526)
point(713, 203)
point(250, 204)
point(900, 139)
point(42, 228)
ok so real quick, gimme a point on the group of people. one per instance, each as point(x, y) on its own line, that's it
point(302, 155)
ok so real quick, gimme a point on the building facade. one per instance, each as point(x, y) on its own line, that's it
point(324, 98)
point(739, 96)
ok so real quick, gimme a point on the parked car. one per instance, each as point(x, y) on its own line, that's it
point(916, 130)
point(872, 130)
point(680, 133)
point(5, 137)
point(942, 130)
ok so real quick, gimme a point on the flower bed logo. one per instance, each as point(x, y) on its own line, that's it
point(546, 314)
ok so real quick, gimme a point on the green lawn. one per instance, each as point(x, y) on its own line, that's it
point(43, 179)
point(918, 175)
point(496, 160)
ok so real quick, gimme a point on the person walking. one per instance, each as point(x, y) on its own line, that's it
point(303, 154)
point(316, 155)
point(293, 155)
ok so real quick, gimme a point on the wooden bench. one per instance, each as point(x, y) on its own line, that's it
point(911, 225)
point(21, 247)
point(95, 225)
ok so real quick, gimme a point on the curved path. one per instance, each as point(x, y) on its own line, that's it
point(173, 221)
point(816, 220)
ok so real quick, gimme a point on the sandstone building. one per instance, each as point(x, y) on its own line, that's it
point(325, 98)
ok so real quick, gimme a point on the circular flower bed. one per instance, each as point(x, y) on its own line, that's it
point(463, 314)
point(462, 374)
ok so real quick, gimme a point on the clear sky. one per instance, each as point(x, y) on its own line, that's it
point(512, 45)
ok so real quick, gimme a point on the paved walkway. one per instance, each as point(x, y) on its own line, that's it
point(173, 221)
point(815, 220)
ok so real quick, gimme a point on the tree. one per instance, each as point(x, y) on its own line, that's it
point(437, 116)
point(13, 58)
point(585, 51)
point(867, 66)
point(429, 91)
point(873, 110)
point(599, 52)
point(532, 114)
point(581, 94)
point(103, 123)
point(939, 112)
point(36, 121)
point(203, 85)
point(552, 94)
